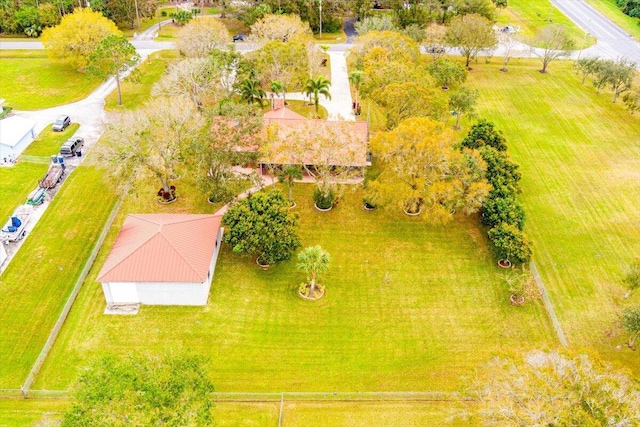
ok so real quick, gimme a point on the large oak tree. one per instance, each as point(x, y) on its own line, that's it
point(424, 171)
point(77, 37)
point(471, 34)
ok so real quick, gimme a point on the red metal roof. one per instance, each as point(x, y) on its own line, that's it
point(162, 248)
point(283, 113)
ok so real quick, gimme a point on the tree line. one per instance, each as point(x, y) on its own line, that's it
point(31, 17)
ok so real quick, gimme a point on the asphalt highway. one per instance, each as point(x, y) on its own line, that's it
point(613, 41)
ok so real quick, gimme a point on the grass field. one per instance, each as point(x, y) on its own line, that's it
point(611, 11)
point(30, 81)
point(408, 307)
point(48, 142)
point(21, 412)
point(34, 287)
point(134, 94)
point(167, 32)
point(532, 15)
point(580, 158)
point(16, 184)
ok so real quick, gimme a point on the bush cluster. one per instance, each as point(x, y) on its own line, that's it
point(500, 210)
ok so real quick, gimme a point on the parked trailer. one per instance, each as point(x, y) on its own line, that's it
point(15, 228)
point(54, 174)
point(37, 196)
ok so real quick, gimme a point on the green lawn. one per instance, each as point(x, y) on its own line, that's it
point(168, 32)
point(30, 81)
point(331, 38)
point(27, 412)
point(134, 94)
point(579, 156)
point(380, 414)
point(611, 11)
point(48, 142)
point(408, 307)
point(21, 413)
point(532, 15)
point(16, 183)
point(35, 286)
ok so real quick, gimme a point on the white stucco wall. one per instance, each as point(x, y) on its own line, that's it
point(16, 133)
point(163, 293)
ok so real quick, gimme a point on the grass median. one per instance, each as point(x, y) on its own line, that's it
point(16, 183)
point(48, 142)
point(36, 284)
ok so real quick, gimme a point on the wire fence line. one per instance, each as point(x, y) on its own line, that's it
point(283, 397)
point(26, 387)
point(547, 305)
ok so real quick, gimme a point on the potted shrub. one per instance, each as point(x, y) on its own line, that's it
point(413, 206)
point(369, 203)
point(324, 200)
point(220, 194)
point(522, 287)
point(510, 245)
point(167, 197)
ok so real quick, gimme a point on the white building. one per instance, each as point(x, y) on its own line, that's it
point(162, 259)
point(16, 133)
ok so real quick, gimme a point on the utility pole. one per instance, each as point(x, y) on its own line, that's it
point(320, 9)
point(137, 14)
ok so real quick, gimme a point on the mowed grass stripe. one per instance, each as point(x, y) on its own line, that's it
point(408, 307)
point(48, 142)
point(580, 158)
point(16, 183)
point(38, 281)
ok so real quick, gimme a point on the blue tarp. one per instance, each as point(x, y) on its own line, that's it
point(15, 221)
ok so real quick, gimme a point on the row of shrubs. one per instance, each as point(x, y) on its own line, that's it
point(501, 211)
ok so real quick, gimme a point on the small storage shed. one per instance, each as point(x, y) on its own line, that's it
point(16, 133)
point(162, 259)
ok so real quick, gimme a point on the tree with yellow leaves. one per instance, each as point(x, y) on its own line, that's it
point(200, 36)
point(424, 173)
point(77, 37)
point(285, 28)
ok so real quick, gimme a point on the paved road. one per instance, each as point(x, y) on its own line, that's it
point(613, 42)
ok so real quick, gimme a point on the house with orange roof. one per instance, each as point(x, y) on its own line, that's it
point(292, 139)
point(162, 259)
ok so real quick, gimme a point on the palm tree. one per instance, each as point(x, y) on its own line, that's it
point(251, 91)
point(288, 175)
point(355, 78)
point(317, 87)
point(314, 261)
point(278, 88)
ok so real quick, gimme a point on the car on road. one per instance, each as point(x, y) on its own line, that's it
point(435, 49)
point(72, 147)
point(239, 37)
point(61, 123)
